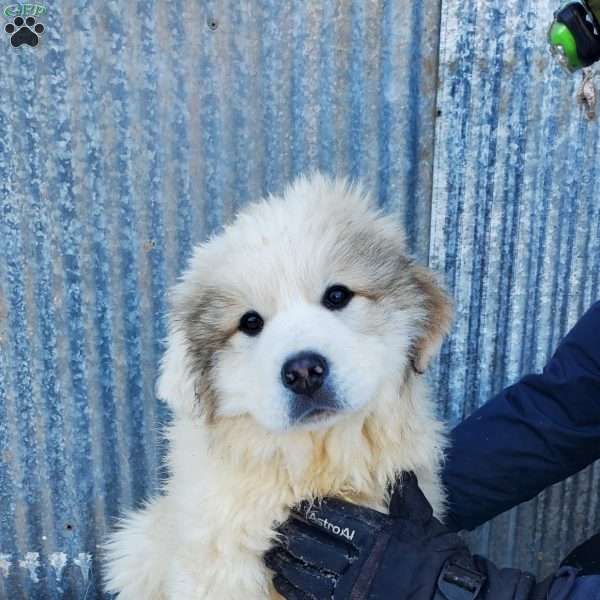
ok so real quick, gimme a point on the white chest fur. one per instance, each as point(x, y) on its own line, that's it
point(204, 538)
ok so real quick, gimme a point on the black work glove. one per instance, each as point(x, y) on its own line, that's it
point(339, 551)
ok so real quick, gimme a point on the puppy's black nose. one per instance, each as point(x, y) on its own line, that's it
point(304, 373)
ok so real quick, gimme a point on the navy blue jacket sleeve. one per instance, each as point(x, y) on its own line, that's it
point(537, 432)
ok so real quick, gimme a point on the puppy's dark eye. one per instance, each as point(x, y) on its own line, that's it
point(337, 297)
point(251, 323)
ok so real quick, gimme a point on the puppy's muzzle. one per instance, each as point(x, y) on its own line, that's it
point(305, 374)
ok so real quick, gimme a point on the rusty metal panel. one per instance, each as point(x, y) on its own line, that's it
point(516, 230)
point(131, 131)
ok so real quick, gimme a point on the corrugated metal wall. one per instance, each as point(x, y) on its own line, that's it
point(134, 129)
point(516, 229)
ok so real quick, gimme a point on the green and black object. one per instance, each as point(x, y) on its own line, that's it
point(574, 35)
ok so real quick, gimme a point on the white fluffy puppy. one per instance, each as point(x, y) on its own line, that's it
point(293, 366)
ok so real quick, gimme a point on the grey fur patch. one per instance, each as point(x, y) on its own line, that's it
point(206, 321)
point(392, 277)
point(380, 261)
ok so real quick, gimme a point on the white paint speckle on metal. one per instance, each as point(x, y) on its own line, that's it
point(5, 563)
point(31, 563)
point(84, 561)
point(58, 561)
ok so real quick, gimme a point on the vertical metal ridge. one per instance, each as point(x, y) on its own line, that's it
point(327, 73)
point(19, 242)
point(356, 89)
point(165, 187)
point(299, 123)
point(92, 172)
point(11, 529)
point(109, 241)
point(387, 50)
point(243, 44)
point(8, 535)
point(45, 347)
point(135, 44)
point(179, 130)
point(448, 182)
point(74, 504)
point(274, 66)
point(414, 68)
point(211, 116)
point(129, 318)
point(367, 76)
point(154, 237)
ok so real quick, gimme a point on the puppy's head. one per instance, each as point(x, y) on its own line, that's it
point(300, 312)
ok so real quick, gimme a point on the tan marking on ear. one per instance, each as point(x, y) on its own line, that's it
point(205, 319)
point(374, 297)
point(438, 318)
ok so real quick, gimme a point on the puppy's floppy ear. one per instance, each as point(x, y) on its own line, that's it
point(438, 318)
point(176, 383)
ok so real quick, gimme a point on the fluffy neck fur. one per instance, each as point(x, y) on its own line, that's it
point(355, 459)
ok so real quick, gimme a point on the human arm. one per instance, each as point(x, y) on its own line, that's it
point(539, 431)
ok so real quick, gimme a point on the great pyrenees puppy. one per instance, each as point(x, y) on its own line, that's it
point(297, 343)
